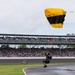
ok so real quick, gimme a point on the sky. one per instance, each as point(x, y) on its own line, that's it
point(28, 17)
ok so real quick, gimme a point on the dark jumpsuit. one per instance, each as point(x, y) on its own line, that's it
point(47, 60)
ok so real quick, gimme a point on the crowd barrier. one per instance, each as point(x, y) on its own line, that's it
point(26, 60)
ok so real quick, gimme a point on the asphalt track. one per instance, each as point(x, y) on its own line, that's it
point(51, 70)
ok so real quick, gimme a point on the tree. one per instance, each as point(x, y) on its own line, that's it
point(5, 46)
point(70, 46)
point(22, 46)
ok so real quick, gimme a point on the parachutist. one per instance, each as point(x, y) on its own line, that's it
point(47, 60)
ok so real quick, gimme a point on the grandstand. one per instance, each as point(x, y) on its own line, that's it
point(18, 39)
point(37, 39)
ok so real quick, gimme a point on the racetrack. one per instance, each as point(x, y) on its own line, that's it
point(51, 70)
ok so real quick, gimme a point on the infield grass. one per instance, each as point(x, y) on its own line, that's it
point(14, 69)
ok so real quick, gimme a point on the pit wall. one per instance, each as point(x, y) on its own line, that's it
point(25, 60)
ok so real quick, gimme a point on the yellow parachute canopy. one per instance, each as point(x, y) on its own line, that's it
point(55, 16)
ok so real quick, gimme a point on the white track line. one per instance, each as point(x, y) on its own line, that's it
point(24, 71)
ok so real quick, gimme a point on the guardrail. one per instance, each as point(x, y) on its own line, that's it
point(36, 57)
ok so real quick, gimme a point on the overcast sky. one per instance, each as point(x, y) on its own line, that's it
point(27, 17)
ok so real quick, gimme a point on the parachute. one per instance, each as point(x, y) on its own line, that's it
point(55, 16)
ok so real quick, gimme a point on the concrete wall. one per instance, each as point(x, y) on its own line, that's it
point(21, 60)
